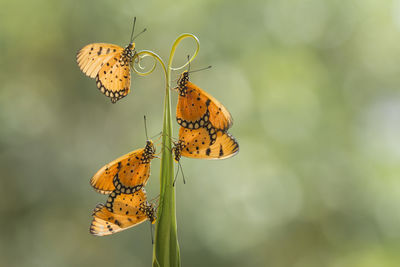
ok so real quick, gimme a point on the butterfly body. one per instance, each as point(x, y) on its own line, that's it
point(121, 212)
point(128, 173)
point(109, 64)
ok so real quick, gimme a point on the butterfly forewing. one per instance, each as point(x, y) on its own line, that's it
point(220, 117)
point(121, 212)
point(196, 108)
point(196, 144)
point(127, 173)
point(93, 57)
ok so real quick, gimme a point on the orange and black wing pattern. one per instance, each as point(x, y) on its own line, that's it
point(121, 212)
point(195, 143)
point(196, 108)
point(110, 65)
point(127, 173)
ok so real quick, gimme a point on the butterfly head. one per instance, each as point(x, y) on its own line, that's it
point(129, 50)
point(183, 79)
point(150, 149)
point(182, 82)
point(130, 46)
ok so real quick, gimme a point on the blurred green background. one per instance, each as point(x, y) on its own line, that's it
point(313, 87)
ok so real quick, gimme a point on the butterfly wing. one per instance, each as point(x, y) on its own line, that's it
point(197, 107)
point(129, 170)
point(114, 78)
point(93, 57)
point(109, 65)
point(121, 212)
point(197, 144)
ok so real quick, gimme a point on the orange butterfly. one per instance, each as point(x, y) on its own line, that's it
point(197, 109)
point(127, 173)
point(195, 143)
point(121, 212)
point(110, 65)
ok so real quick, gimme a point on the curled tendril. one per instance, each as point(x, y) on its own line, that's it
point(175, 45)
point(142, 54)
point(167, 71)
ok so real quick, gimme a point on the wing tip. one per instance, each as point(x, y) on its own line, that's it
point(95, 228)
point(235, 146)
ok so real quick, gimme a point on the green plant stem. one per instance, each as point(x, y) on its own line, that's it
point(166, 247)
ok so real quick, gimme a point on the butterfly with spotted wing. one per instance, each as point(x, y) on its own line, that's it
point(198, 109)
point(110, 64)
point(195, 143)
point(127, 173)
point(121, 212)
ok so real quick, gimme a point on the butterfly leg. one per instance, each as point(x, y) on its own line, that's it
point(177, 172)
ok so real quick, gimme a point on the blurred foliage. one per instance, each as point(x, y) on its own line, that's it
point(313, 87)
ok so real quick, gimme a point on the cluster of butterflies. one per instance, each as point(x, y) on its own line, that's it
point(203, 121)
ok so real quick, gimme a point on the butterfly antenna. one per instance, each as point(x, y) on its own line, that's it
point(139, 34)
point(206, 68)
point(145, 127)
point(133, 29)
point(188, 57)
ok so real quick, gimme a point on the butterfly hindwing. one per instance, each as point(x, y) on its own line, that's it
point(195, 143)
point(121, 212)
point(114, 78)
